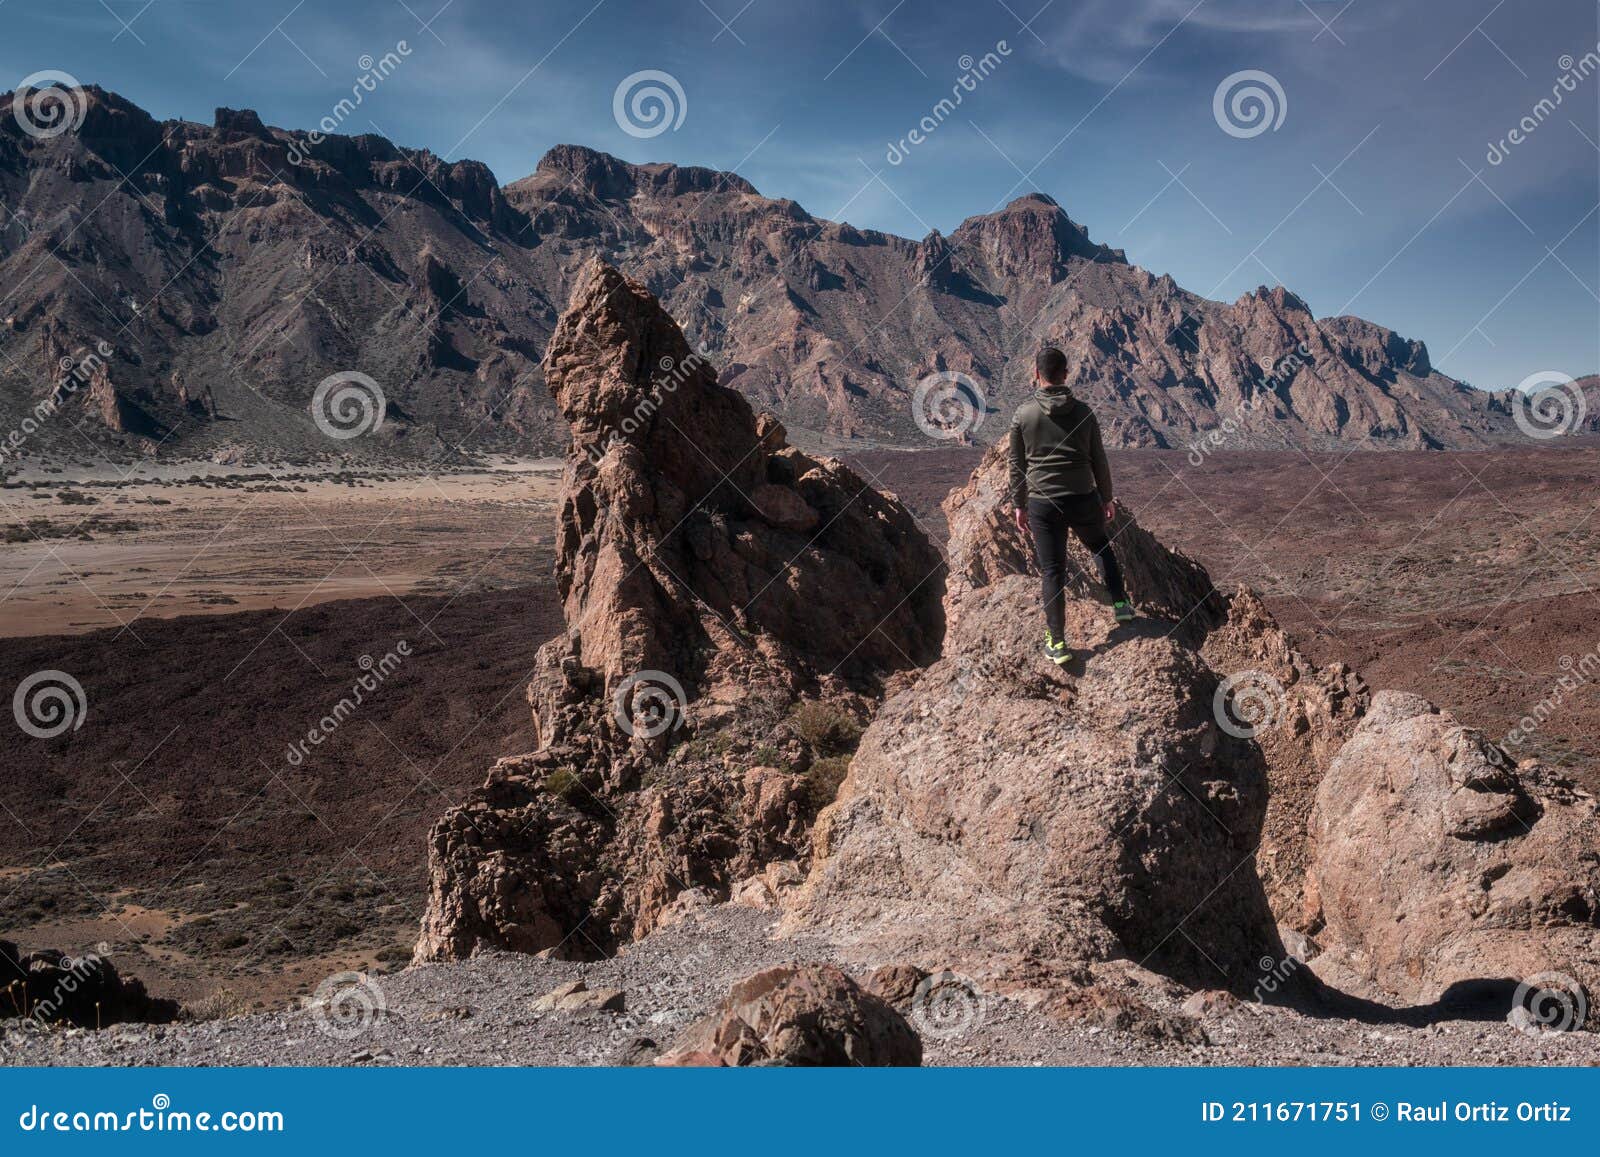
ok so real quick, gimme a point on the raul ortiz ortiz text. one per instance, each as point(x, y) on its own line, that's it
point(372, 678)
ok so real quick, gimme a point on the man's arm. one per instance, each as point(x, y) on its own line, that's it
point(1018, 488)
point(1018, 479)
point(1102, 468)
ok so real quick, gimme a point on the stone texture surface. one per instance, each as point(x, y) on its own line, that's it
point(985, 546)
point(799, 1014)
point(1003, 810)
point(1438, 863)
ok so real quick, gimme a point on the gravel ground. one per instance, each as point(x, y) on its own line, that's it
point(478, 1013)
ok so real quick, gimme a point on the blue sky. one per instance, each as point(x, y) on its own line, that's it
point(1374, 195)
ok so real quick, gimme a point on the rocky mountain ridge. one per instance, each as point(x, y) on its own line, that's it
point(230, 269)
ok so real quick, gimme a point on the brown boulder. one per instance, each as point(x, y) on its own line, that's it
point(52, 987)
point(1005, 807)
point(1438, 864)
point(812, 1014)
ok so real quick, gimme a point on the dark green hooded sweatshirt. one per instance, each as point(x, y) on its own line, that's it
point(1056, 450)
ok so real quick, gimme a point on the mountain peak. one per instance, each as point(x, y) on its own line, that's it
point(610, 177)
point(1031, 229)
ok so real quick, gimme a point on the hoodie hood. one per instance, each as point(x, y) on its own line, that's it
point(1056, 400)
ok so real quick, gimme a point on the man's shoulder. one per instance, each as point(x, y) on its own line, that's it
point(1026, 412)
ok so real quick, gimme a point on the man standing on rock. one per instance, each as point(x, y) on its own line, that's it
point(1060, 481)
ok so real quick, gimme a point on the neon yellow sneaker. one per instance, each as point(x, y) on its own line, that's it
point(1056, 651)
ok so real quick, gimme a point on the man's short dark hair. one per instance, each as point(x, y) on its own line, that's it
point(1052, 365)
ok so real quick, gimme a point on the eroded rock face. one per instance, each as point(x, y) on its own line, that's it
point(1006, 815)
point(826, 323)
point(694, 542)
point(713, 576)
point(1437, 862)
point(1313, 709)
point(812, 1014)
point(1002, 810)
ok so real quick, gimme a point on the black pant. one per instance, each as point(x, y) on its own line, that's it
point(1050, 519)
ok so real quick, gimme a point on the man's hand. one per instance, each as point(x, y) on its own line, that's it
point(1111, 510)
point(1020, 517)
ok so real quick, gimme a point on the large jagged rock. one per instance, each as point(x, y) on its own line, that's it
point(711, 576)
point(692, 541)
point(1001, 811)
point(1013, 816)
point(1438, 863)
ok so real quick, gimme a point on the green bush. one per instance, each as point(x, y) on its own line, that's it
point(824, 727)
point(823, 778)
